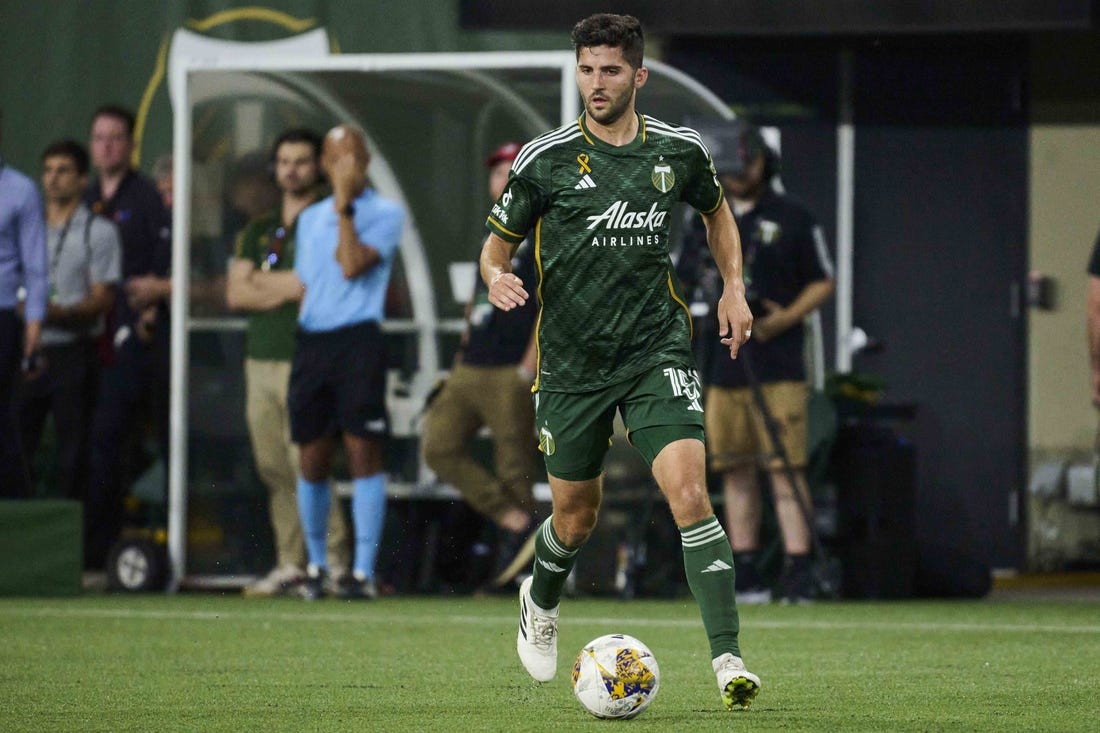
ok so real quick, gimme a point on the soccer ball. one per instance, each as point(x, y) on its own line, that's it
point(615, 676)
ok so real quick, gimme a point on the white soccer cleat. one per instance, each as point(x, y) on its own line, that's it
point(537, 641)
point(738, 685)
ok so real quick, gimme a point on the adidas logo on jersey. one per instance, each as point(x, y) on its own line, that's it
point(585, 182)
point(716, 567)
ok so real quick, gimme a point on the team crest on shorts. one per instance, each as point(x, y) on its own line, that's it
point(546, 442)
point(663, 178)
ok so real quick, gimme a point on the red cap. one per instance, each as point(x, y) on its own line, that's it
point(506, 152)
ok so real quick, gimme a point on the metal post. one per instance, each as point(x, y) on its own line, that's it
point(845, 195)
point(181, 271)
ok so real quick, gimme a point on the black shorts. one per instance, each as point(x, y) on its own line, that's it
point(338, 383)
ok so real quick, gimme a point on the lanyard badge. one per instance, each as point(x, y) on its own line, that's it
point(274, 251)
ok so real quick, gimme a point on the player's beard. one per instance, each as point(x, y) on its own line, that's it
point(615, 109)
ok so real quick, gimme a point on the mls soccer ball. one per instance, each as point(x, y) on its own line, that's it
point(615, 676)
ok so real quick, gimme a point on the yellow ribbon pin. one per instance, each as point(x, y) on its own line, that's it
point(583, 160)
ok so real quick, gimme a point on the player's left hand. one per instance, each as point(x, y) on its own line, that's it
point(734, 319)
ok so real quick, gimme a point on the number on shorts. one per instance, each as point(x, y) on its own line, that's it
point(685, 383)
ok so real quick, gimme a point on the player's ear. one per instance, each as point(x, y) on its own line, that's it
point(640, 76)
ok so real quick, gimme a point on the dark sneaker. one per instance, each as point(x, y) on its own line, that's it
point(749, 586)
point(313, 586)
point(756, 595)
point(352, 587)
point(796, 584)
point(515, 550)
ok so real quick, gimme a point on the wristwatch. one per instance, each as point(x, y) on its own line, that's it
point(348, 210)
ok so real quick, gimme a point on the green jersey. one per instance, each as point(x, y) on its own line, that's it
point(270, 246)
point(608, 302)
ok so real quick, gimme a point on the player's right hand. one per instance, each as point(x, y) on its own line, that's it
point(506, 291)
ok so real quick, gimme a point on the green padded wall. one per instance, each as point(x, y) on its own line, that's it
point(40, 547)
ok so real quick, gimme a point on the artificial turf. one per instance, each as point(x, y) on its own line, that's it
point(219, 662)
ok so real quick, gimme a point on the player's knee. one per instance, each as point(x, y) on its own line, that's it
point(575, 527)
point(272, 474)
point(689, 503)
point(313, 475)
point(314, 463)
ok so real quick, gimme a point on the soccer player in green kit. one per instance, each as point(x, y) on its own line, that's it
point(614, 333)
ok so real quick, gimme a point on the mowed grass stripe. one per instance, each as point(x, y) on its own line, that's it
point(369, 613)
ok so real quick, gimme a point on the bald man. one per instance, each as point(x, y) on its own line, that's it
point(346, 246)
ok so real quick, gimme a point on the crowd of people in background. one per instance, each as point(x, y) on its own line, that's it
point(84, 307)
point(84, 320)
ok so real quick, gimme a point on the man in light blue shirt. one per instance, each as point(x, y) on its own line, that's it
point(23, 267)
point(346, 246)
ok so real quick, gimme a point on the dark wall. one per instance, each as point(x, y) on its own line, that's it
point(940, 234)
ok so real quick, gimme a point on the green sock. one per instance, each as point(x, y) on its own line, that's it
point(553, 561)
point(708, 561)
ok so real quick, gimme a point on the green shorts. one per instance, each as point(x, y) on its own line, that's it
point(659, 406)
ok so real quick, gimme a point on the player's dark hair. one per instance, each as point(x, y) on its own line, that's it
point(70, 149)
point(118, 112)
point(617, 31)
point(297, 135)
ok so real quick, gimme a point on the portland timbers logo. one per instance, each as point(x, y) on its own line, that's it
point(663, 178)
point(546, 441)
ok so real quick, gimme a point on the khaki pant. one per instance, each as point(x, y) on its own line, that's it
point(497, 398)
point(277, 463)
point(737, 435)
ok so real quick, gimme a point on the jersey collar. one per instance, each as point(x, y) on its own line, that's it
point(595, 142)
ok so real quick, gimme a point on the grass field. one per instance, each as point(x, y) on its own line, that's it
point(223, 663)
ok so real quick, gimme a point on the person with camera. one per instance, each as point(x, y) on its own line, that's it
point(788, 275)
